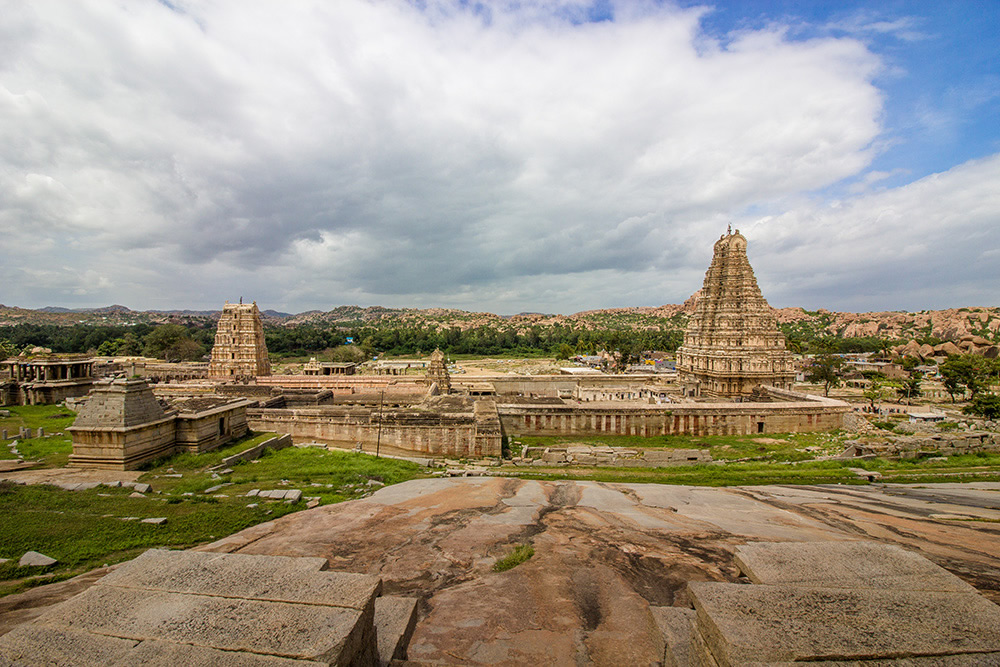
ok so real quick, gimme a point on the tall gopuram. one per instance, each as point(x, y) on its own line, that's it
point(732, 342)
point(239, 352)
point(437, 372)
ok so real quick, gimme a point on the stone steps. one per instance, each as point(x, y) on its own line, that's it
point(833, 603)
point(186, 607)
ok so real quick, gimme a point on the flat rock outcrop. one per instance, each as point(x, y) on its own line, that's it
point(606, 555)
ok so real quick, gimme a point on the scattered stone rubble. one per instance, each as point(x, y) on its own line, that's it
point(915, 446)
point(187, 608)
point(612, 456)
point(868, 601)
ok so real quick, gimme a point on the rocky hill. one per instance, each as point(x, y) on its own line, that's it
point(950, 324)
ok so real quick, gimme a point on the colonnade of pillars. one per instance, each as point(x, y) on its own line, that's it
point(29, 372)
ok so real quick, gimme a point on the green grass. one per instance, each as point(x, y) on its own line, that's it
point(779, 447)
point(86, 529)
point(521, 553)
point(51, 450)
point(964, 468)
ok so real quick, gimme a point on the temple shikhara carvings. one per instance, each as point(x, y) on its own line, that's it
point(239, 352)
point(732, 343)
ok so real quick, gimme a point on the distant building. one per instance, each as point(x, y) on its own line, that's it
point(46, 378)
point(240, 352)
point(732, 343)
point(329, 367)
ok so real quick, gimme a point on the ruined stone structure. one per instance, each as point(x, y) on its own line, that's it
point(437, 373)
point(122, 425)
point(732, 343)
point(46, 378)
point(239, 352)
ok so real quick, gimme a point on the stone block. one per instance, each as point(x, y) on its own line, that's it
point(156, 521)
point(675, 625)
point(312, 632)
point(142, 488)
point(395, 618)
point(253, 492)
point(851, 565)
point(153, 652)
point(35, 559)
point(136, 494)
point(30, 644)
point(757, 623)
point(293, 495)
point(277, 578)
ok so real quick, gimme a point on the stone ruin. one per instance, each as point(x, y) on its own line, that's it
point(239, 352)
point(732, 343)
point(122, 425)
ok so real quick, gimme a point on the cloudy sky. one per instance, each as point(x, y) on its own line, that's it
point(539, 155)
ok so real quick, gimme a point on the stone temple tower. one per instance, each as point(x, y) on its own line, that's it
point(239, 352)
point(437, 372)
point(732, 342)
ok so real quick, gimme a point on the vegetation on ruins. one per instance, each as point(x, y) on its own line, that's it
point(518, 555)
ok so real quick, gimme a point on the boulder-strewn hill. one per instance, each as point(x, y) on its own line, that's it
point(950, 324)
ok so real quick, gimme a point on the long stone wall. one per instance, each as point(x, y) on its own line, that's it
point(432, 433)
point(803, 414)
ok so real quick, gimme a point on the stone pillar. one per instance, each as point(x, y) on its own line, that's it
point(41, 432)
point(4, 434)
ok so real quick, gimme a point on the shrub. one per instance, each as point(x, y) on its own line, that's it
point(521, 553)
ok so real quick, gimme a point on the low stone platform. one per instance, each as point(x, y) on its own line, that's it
point(185, 607)
point(834, 603)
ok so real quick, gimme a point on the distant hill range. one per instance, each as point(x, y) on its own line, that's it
point(949, 324)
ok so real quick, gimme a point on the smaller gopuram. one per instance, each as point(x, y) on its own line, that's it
point(437, 372)
point(239, 352)
point(732, 343)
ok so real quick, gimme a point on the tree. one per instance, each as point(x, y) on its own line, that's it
point(965, 370)
point(909, 387)
point(7, 349)
point(827, 369)
point(874, 392)
point(984, 404)
point(565, 351)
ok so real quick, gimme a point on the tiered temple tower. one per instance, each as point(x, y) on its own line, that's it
point(437, 372)
point(239, 352)
point(732, 342)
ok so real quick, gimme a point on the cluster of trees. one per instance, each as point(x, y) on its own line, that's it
point(963, 375)
point(558, 340)
point(173, 342)
point(176, 342)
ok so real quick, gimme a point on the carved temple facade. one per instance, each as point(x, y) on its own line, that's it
point(239, 352)
point(732, 343)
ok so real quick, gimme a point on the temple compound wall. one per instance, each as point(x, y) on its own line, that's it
point(122, 425)
point(792, 412)
point(457, 429)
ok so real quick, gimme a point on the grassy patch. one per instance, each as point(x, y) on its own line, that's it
point(52, 449)
point(521, 553)
point(779, 447)
point(86, 529)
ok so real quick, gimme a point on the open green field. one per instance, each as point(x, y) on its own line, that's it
point(54, 449)
point(87, 529)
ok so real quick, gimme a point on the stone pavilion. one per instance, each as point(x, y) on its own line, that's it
point(732, 343)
